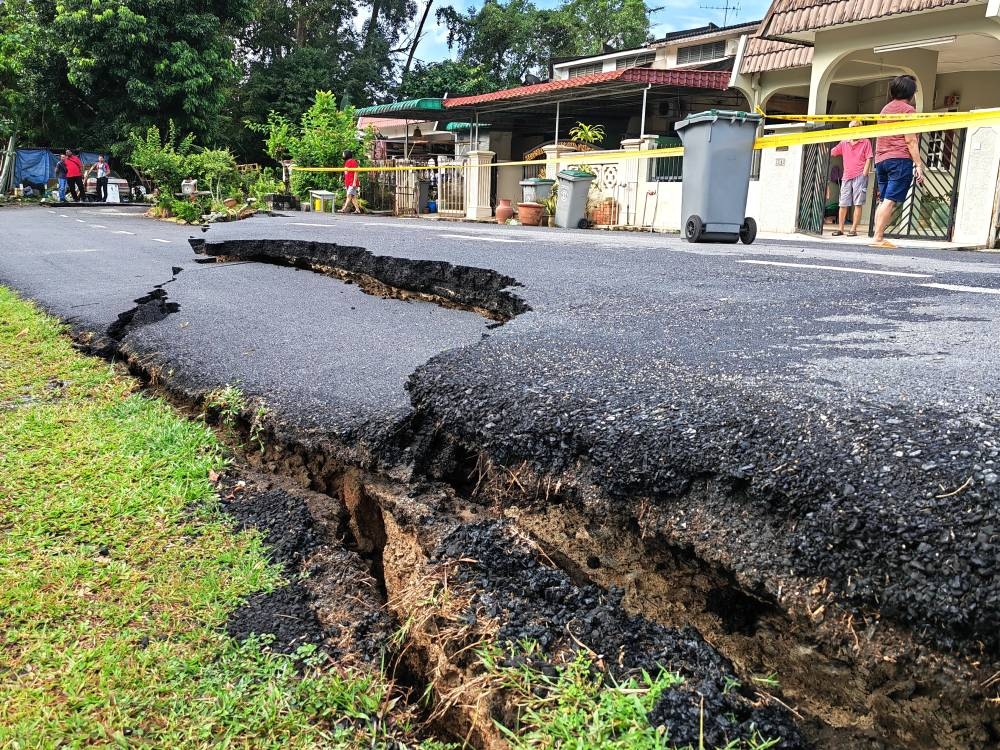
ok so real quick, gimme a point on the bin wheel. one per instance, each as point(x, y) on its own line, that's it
point(748, 232)
point(584, 224)
point(694, 228)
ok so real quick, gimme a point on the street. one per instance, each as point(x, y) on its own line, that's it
point(796, 412)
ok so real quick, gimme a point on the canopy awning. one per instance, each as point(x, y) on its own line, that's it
point(408, 109)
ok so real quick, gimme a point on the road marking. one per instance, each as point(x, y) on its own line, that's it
point(51, 211)
point(838, 268)
point(81, 221)
point(121, 231)
point(85, 250)
point(65, 216)
point(97, 226)
point(157, 239)
point(958, 288)
point(481, 239)
point(410, 225)
point(307, 224)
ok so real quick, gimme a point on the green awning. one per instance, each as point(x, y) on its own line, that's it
point(409, 109)
point(458, 127)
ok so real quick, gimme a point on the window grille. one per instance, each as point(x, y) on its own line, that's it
point(586, 70)
point(636, 61)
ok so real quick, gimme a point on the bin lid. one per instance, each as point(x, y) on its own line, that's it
point(537, 181)
point(322, 194)
point(576, 174)
point(720, 114)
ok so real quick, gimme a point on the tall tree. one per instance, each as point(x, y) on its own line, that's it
point(620, 24)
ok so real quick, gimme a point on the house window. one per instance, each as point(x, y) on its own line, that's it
point(636, 61)
point(586, 70)
point(701, 52)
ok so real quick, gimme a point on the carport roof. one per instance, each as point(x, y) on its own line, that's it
point(616, 93)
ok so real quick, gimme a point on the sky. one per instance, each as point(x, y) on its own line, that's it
point(674, 15)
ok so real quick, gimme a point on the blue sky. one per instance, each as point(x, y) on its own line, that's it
point(674, 16)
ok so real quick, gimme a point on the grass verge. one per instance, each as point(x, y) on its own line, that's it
point(117, 571)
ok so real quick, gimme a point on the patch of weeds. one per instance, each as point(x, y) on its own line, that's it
point(118, 572)
point(258, 424)
point(769, 680)
point(577, 704)
point(228, 403)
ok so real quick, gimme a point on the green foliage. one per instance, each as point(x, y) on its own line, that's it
point(261, 183)
point(190, 211)
point(320, 139)
point(161, 160)
point(581, 706)
point(447, 77)
point(168, 161)
point(583, 133)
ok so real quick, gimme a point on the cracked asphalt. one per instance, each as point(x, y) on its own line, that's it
point(853, 393)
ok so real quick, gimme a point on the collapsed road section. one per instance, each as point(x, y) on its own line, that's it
point(849, 549)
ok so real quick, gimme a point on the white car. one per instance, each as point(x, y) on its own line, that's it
point(124, 191)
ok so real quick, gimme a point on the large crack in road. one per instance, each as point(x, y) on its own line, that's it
point(850, 548)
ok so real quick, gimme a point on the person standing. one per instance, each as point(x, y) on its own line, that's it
point(61, 177)
point(74, 175)
point(897, 160)
point(101, 169)
point(352, 182)
point(857, 156)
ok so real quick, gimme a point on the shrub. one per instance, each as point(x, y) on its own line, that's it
point(319, 140)
point(161, 161)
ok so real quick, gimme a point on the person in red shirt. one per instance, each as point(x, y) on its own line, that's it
point(857, 156)
point(352, 182)
point(74, 176)
point(897, 157)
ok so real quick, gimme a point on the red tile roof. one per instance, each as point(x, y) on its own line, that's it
point(767, 54)
point(794, 16)
point(698, 79)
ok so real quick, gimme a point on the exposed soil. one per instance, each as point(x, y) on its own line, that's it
point(872, 597)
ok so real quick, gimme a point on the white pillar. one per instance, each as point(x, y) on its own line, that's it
point(632, 174)
point(477, 185)
point(553, 158)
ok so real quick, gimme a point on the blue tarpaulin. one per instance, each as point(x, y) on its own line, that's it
point(36, 166)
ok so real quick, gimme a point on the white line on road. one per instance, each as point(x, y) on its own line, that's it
point(97, 226)
point(81, 221)
point(121, 231)
point(51, 211)
point(65, 216)
point(83, 250)
point(307, 224)
point(480, 238)
point(958, 288)
point(157, 239)
point(838, 268)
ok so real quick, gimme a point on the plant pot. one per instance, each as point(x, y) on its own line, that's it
point(550, 219)
point(530, 214)
point(504, 211)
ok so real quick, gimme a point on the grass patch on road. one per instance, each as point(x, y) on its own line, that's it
point(117, 572)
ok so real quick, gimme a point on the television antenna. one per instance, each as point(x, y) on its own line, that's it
point(726, 7)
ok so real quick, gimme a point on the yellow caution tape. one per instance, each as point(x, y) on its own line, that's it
point(866, 117)
point(901, 125)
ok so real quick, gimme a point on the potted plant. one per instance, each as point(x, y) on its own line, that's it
point(589, 134)
point(530, 214)
point(550, 207)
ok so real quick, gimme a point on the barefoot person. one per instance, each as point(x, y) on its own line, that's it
point(897, 157)
point(352, 182)
point(857, 156)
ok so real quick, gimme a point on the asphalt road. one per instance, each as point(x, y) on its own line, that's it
point(873, 374)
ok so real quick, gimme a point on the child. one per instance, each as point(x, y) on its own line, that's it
point(857, 155)
point(352, 182)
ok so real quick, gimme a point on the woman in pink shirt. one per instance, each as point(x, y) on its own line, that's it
point(895, 159)
point(857, 156)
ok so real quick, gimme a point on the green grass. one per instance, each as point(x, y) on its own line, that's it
point(118, 571)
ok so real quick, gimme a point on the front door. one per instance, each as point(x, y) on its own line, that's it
point(928, 213)
point(813, 188)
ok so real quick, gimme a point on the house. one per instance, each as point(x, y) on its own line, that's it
point(840, 55)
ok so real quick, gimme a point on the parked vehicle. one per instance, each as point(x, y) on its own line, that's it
point(124, 191)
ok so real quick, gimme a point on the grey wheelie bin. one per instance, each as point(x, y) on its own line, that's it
point(571, 200)
point(718, 153)
point(536, 189)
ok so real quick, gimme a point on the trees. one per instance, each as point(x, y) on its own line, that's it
point(447, 77)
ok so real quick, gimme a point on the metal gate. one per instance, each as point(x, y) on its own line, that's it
point(928, 213)
point(813, 188)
